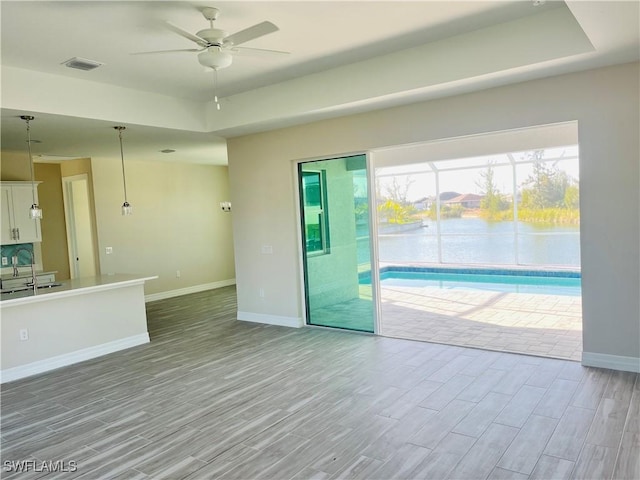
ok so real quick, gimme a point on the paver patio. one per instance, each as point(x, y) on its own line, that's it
point(545, 325)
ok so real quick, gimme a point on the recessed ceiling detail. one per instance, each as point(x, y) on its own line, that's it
point(348, 57)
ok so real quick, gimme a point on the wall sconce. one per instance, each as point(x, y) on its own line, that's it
point(225, 206)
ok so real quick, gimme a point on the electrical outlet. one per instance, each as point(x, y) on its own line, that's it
point(24, 334)
point(267, 249)
point(177, 273)
point(5, 261)
point(108, 250)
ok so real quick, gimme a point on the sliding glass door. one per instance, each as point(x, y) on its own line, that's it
point(334, 211)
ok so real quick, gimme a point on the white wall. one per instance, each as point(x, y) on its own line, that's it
point(76, 97)
point(177, 223)
point(603, 101)
point(71, 326)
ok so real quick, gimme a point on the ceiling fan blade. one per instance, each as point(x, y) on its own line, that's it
point(169, 51)
point(257, 52)
point(251, 33)
point(190, 36)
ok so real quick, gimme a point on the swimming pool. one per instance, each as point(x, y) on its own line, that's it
point(512, 281)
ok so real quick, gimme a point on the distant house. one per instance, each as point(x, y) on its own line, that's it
point(423, 203)
point(467, 200)
point(444, 196)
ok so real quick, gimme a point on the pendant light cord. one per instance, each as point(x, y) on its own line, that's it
point(124, 180)
point(215, 88)
point(33, 190)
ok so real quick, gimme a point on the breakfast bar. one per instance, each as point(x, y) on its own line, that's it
point(75, 321)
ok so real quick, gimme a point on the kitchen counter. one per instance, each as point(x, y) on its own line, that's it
point(81, 319)
point(10, 283)
point(23, 273)
point(71, 287)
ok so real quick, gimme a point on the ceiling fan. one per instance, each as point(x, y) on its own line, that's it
point(217, 47)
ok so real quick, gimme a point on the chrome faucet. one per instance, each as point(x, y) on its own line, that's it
point(14, 263)
point(14, 259)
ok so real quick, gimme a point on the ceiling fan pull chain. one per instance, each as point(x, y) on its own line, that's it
point(215, 88)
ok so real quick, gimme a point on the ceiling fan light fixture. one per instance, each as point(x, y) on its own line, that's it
point(215, 57)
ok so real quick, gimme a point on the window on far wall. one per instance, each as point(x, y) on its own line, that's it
point(316, 225)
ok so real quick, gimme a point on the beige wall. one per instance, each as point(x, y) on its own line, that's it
point(54, 251)
point(177, 223)
point(605, 104)
point(15, 166)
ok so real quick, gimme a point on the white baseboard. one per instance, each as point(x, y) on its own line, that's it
point(294, 322)
point(41, 366)
point(185, 291)
point(614, 362)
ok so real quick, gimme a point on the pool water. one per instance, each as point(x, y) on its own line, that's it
point(517, 282)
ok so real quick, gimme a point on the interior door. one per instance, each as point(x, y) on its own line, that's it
point(79, 227)
point(334, 210)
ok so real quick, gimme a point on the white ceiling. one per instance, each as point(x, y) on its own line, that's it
point(319, 35)
point(345, 57)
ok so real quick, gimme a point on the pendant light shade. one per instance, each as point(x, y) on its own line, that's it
point(35, 212)
point(126, 208)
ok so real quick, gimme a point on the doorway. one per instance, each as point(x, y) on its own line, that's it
point(472, 242)
point(479, 241)
point(79, 226)
point(336, 243)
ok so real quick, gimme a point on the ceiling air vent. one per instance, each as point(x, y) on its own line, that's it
point(82, 63)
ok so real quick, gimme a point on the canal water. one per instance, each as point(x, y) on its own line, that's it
point(477, 241)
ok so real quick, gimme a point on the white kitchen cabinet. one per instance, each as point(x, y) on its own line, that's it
point(17, 226)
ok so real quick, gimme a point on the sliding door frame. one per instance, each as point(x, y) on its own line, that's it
point(373, 239)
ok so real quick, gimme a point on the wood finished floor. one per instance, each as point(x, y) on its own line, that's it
point(212, 397)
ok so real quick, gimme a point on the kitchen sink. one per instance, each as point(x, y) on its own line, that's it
point(26, 288)
point(50, 285)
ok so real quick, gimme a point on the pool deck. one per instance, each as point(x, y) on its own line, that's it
point(534, 324)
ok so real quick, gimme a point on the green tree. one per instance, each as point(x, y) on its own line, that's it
point(545, 187)
point(396, 212)
point(361, 210)
point(572, 196)
point(549, 195)
point(493, 204)
point(446, 211)
point(397, 190)
point(396, 208)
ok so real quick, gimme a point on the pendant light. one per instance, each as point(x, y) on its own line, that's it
point(35, 212)
point(126, 206)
